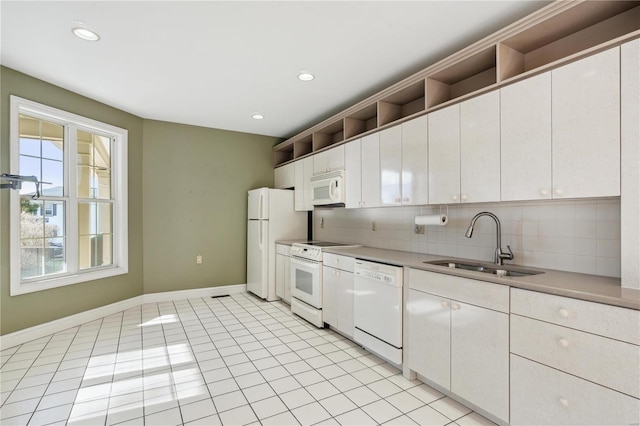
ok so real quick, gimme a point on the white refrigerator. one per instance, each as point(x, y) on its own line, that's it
point(271, 217)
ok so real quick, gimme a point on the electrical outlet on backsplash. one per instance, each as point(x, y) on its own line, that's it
point(568, 235)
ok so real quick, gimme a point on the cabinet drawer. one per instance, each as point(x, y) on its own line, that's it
point(346, 263)
point(609, 362)
point(283, 249)
point(543, 396)
point(479, 293)
point(597, 318)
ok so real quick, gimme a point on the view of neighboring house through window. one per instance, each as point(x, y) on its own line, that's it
point(42, 236)
point(77, 230)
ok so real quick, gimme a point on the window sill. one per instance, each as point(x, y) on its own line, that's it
point(18, 288)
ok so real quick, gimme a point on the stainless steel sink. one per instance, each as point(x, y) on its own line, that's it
point(499, 270)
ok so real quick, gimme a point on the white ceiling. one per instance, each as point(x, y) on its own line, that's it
point(215, 63)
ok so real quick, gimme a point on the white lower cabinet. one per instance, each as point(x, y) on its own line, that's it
point(541, 395)
point(337, 292)
point(461, 346)
point(283, 274)
point(573, 362)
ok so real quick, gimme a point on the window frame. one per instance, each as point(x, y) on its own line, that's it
point(119, 181)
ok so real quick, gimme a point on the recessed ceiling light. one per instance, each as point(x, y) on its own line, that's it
point(257, 116)
point(85, 34)
point(305, 76)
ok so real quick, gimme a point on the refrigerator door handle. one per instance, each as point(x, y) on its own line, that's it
point(260, 233)
point(260, 212)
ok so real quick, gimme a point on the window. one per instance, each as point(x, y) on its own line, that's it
point(77, 230)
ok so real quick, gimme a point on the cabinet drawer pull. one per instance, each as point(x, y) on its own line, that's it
point(563, 342)
point(563, 402)
point(563, 313)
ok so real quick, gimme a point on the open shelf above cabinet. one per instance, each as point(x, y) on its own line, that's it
point(361, 121)
point(403, 103)
point(283, 155)
point(329, 135)
point(469, 75)
point(302, 147)
point(585, 26)
point(555, 35)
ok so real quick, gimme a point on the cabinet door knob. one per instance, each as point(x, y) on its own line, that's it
point(444, 304)
point(558, 191)
point(454, 197)
point(464, 197)
point(544, 192)
point(563, 342)
point(563, 402)
point(406, 200)
point(455, 306)
point(563, 313)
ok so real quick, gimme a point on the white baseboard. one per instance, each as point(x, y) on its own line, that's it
point(32, 333)
point(169, 296)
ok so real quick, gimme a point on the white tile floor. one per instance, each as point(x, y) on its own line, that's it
point(231, 360)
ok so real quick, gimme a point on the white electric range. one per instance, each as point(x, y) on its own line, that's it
point(306, 279)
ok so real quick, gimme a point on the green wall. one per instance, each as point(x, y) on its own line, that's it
point(31, 309)
point(187, 195)
point(195, 202)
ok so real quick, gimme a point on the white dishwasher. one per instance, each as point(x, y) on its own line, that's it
point(377, 309)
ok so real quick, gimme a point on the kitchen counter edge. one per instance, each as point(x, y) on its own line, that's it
point(592, 288)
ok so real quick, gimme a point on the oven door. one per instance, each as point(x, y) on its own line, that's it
point(306, 281)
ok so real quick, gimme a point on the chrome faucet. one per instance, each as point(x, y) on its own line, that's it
point(499, 256)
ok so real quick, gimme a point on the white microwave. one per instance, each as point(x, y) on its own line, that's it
point(328, 188)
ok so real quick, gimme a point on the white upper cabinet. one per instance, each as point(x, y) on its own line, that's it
point(403, 164)
point(586, 127)
point(415, 176)
point(390, 166)
point(480, 148)
point(302, 195)
point(284, 176)
point(526, 139)
point(353, 174)
point(370, 152)
point(329, 160)
point(444, 155)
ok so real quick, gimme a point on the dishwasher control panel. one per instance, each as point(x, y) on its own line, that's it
point(386, 274)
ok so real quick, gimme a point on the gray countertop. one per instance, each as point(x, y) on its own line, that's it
point(593, 288)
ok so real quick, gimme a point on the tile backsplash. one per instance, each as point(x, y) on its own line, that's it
point(575, 235)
